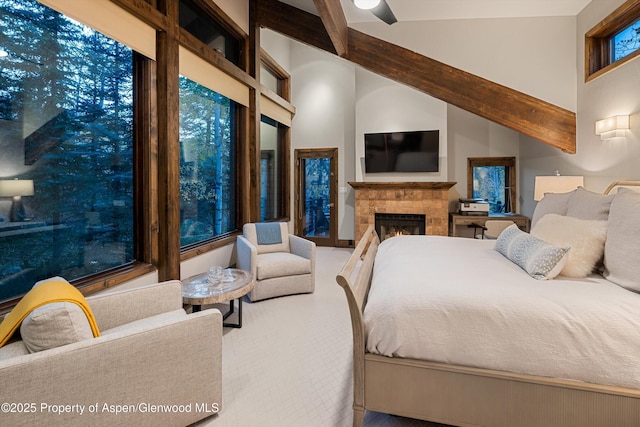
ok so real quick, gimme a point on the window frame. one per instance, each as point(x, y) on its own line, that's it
point(216, 59)
point(510, 178)
point(193, 249)
point(284, 79)
point(597, 43)
point(144, 250)
point(215, 13)
point(283, 160)
point(155, 139)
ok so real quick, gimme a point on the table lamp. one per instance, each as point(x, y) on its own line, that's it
point(555, 184)
point(16, 188)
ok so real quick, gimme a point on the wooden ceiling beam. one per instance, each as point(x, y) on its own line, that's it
point(515, 110)
point(335, 23)
point(297, 24)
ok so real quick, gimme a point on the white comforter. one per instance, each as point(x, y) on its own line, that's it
point(458, 301)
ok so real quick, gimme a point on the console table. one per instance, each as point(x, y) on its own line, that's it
point(457, 220)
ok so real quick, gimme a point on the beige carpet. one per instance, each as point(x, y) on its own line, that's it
point(290, 363)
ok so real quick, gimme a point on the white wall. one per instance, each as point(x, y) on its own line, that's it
point(278, 47)
point(616, 92)
point(383, 105)
point(323, 89)
point(532, 55)
point(473, 136)
point(337, 103)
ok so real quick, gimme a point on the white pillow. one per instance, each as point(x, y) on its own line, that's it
point(537, 257)
point(586, 239)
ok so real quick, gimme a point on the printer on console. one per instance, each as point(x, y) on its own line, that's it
point(473, 207)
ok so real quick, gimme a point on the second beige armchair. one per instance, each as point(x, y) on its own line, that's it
point(281, 263)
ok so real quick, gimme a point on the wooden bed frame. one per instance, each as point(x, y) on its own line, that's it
point(464, 396)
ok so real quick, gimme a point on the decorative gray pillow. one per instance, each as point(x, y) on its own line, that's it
point(537, 257)
point(552, 203)
point(586, 204)
point(623, 241)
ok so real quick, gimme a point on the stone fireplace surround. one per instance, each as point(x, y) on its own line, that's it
point(425, 198)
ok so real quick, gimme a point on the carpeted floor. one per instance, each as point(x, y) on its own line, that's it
point(290, 363)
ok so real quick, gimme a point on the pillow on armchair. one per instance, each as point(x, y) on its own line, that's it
point(250, 231)
point(51, 314)
point(54, 325)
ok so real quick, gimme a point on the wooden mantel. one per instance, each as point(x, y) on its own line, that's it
point(402, 185)
point(424, 198)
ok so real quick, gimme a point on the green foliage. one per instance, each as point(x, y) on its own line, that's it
point(489, 184)
point(207, 167)
point(68, 99)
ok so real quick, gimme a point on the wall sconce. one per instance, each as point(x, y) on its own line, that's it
point(613, 127)
point(16, 188)
point(555, 184)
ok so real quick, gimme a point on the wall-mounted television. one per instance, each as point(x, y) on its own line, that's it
point(414, 151)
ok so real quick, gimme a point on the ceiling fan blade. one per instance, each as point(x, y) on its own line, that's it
point(383, 11)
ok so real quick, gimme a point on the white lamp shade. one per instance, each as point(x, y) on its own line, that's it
point(16, 187)
point(555, 184)
point(366, 4)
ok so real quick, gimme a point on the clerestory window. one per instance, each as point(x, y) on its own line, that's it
point(614, 41)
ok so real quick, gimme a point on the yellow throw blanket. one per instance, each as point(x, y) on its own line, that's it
point(45, 293)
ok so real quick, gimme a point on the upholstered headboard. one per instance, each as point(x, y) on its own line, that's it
point(614, 186)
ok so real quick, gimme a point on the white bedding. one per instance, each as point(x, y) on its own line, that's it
point(458, 301)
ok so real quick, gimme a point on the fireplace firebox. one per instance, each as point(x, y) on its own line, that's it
point(393, 224)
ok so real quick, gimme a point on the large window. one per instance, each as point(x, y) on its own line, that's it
point(614, 41)
point(66, 132)
point(494, 180)
point(207, 164)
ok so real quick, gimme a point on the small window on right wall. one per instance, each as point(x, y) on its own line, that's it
point(613, 41)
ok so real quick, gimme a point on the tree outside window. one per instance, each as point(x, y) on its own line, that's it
point(66, 124)
point(207, 165)
point(494, 180)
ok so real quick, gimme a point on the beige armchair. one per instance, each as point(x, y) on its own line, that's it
point(281, 263)
point(150, 352)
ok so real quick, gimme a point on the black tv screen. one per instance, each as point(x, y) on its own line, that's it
point(415, 151)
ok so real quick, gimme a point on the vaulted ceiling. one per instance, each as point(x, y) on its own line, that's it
point(427, 10)
point(328, 29)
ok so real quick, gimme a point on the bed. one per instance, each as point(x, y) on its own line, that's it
point(487, 344)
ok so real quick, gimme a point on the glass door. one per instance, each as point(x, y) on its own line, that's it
point(316, 185)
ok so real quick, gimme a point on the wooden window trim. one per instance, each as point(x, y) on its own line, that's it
point(597, 48)
point(214, 12)
point(284, 79)
point(146, 146)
